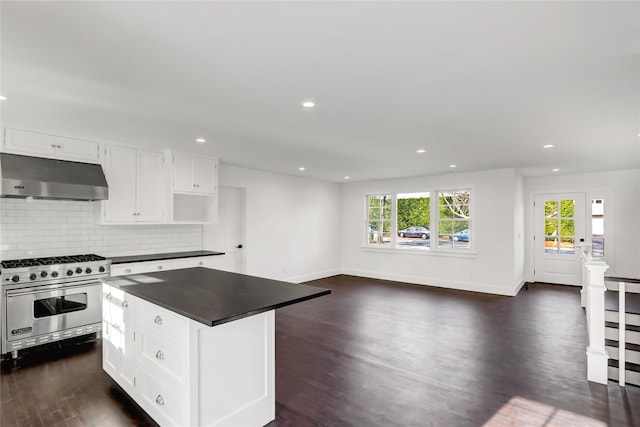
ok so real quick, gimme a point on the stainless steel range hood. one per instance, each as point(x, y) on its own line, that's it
point(26, 176)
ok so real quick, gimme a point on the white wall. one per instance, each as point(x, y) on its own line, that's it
point(495, 264)
point(621, 193)
point(40, 228)
point(292, 224)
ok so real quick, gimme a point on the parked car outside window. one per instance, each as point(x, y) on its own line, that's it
point(460, 236)
point(415, 231)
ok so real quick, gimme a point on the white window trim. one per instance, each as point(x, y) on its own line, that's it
point(435, 216)
point(435, 213)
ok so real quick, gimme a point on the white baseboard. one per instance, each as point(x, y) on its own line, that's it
point(449, 284)
point(313, 276)
point(518, 286)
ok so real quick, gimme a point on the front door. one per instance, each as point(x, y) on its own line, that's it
point(559, 227)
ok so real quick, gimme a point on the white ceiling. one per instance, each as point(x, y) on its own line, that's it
point(483, 85)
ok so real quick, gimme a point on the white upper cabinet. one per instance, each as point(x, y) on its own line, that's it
point(137, 189)
point(194, 174)
point(43, 145)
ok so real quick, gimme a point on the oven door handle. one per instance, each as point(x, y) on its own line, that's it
point(50, 288)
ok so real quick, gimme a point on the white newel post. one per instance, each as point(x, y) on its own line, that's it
point(597, 357)
point(586, 256)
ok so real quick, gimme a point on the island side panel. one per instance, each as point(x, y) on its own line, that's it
point(236, 381)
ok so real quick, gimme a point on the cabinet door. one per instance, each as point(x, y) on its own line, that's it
point(150, 184)
point(33, 143)
point(127, 357)
point(183, 173)
point(203, 173)
point(120, 171)
point(78, 150)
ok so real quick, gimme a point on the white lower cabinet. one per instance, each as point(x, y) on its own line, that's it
point(118, 336)
point(166, 264)
point(187, 373)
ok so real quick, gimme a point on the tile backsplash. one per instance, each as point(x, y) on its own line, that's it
point(36, 228)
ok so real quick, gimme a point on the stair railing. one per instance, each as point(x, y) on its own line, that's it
point(622, 285)
point(592, 298)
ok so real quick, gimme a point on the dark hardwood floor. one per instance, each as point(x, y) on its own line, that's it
point(377, 353)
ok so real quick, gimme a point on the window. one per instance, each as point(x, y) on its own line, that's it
point(379, 219)
point(413, 218)
point(454, 215)
point(597, 227)
point(559, 227)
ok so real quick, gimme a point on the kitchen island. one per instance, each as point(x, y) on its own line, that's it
point(196, 346)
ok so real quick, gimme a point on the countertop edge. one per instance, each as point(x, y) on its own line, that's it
point(211, 323)
point(130, 259)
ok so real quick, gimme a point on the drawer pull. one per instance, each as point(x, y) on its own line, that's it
point(200, 263)
point(125, 304)
point(128, 270)
point(109, 297)
point(159, 267)
point(159, 355)
point(160, 400)
point(158, 320)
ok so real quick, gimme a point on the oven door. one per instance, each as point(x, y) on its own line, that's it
point(40, 310)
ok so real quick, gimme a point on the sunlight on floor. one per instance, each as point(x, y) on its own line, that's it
point(524, 412)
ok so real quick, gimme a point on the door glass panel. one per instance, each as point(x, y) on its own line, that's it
point(550, 208)
point(567, 227)
point(567, 208)
point(559, 227)
point(567, 245)
point(550, 227)
point(550, 245)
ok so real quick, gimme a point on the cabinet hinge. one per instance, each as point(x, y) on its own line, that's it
point(534, 271)
point(134, 381)
point(134, 335)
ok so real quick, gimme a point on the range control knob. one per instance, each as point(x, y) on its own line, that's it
point(69, 272)
point(15, 278)
point(101, 269)
point(53, 274)
point(44, 274)
point(78, 270)
point(33, 276)
point(88, 270)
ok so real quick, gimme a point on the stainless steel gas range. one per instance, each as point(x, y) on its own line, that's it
point(50, 299)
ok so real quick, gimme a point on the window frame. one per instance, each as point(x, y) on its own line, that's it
point(367, 221)
point(434, 218)
point(469, 221)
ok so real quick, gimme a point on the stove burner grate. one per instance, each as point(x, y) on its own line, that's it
point(32, 262)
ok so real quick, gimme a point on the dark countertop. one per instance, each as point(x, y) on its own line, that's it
point(214, 297)
point(159, 257)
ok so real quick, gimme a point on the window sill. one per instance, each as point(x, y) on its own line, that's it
point(426, 252)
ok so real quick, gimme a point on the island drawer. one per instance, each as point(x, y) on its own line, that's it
point(158, 320)
point(157, 352)
point(165, 400)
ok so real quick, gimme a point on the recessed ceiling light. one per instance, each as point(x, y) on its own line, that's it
point(421, 150)
point(452, 166)
point(3, 98)
point(556, 170)
point(308, 104)
point(301, 168)
point(201, 140)
point(548, 146)
point(347, 177)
